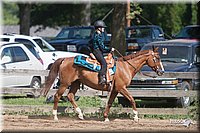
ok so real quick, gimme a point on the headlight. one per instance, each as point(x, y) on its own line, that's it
point(132, 46)
point(71, 48)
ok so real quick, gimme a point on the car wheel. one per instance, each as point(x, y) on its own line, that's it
point(185, 101)
point(35, 83)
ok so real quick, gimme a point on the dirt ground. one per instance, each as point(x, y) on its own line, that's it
point(68, 124)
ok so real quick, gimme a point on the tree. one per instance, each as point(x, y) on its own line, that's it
point(10, 13)
point(86, 13)
point(118, 26)
point(24, 15)
point(198, 13)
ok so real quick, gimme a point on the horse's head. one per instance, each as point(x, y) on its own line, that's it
point(154, 62)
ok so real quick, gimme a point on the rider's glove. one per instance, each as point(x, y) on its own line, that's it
point(112, 49)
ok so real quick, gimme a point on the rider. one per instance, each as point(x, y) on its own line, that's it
point(98, 48)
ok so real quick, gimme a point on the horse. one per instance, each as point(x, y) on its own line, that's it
point(73, 75)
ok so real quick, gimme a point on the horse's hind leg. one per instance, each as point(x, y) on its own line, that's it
point(57, 97)
point(126, 94)
point(73, 89)
point(109, 104)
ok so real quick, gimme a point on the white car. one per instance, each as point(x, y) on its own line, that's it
point(44, 49)
point(19, 56)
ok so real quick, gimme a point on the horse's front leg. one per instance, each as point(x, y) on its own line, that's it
point(57, 97)
point(73, 89)
point(127, 95)
point(109, 103)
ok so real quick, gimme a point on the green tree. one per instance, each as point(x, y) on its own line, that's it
point(10, 13)
point(24, 18)
point(118, 26)
point(198, 13)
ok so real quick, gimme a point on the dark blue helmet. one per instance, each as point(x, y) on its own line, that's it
point(99, 23)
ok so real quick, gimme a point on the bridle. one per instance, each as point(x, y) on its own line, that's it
point(154, 59)
point(156, 67)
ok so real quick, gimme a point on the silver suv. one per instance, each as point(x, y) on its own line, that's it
point(19, 56)
point(47, 53)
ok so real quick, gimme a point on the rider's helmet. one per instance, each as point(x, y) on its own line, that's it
point(99, 23)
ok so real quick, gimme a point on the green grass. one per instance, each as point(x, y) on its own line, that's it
point(89, 102)
point(82, 102)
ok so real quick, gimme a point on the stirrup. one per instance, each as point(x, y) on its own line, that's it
point(102, 80)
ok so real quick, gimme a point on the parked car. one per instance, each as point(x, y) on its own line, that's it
point(179, 55)
point(19, 56)
point(75, 39)
point(47, 53)
point(139, 35)
point(189, 32)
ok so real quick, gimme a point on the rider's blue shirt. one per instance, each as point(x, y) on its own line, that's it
point(98, 42)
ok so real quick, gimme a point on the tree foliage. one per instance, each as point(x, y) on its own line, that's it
point(10, 13)
point(171, 17)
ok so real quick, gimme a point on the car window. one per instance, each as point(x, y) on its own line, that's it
point(44, 45)
point(19, 54)
point(24, 41)
point(6, 56)
point(29, 45)
point(139, 33)
point(5, 39)
point(189, 32)
point(173, 54)
point(75, 33)
point(157, 33)
point(197, 55)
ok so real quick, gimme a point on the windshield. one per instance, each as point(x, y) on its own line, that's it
point(45, 46)
point(75, 33)
point(139, 33)
point(173, 54)
point(190, 32)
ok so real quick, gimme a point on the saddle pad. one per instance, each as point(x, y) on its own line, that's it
point(81, 61)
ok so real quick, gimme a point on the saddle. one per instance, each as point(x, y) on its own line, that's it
point(94, 65)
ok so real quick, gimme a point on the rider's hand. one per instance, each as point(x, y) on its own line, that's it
point(112, 49)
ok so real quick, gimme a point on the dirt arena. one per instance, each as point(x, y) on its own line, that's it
point(25, 123)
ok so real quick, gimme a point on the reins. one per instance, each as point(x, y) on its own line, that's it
point(133, 66)
point(125, 59)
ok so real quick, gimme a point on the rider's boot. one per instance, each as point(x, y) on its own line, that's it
point(102, 79)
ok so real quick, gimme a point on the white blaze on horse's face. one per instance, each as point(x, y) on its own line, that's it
point(158, 66)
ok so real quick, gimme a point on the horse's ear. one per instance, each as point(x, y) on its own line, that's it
point(155, 49)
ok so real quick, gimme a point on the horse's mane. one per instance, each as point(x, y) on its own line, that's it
point(133, 55)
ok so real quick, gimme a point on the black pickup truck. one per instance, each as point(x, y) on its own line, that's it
point(177, 56)
point(75, 39)
point(139, 35)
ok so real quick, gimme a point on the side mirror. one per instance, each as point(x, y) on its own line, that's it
point(6, 59)
point(160, 35)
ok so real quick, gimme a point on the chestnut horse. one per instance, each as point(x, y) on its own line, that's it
point(126, 68)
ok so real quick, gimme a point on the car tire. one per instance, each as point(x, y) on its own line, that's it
point(35, 83)
point(185, 101)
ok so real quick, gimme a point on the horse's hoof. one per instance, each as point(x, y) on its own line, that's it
point(106, 120)
point(136, 119)
point(56, 119)
point(81, 117)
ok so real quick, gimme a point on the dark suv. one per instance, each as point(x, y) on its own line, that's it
point(189, 32)
point(178, 55)
point(139, 35)
point(75, 39)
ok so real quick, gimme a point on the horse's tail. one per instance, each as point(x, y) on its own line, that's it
point(53, 73)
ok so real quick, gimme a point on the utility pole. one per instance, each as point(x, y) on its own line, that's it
point(128, 20)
